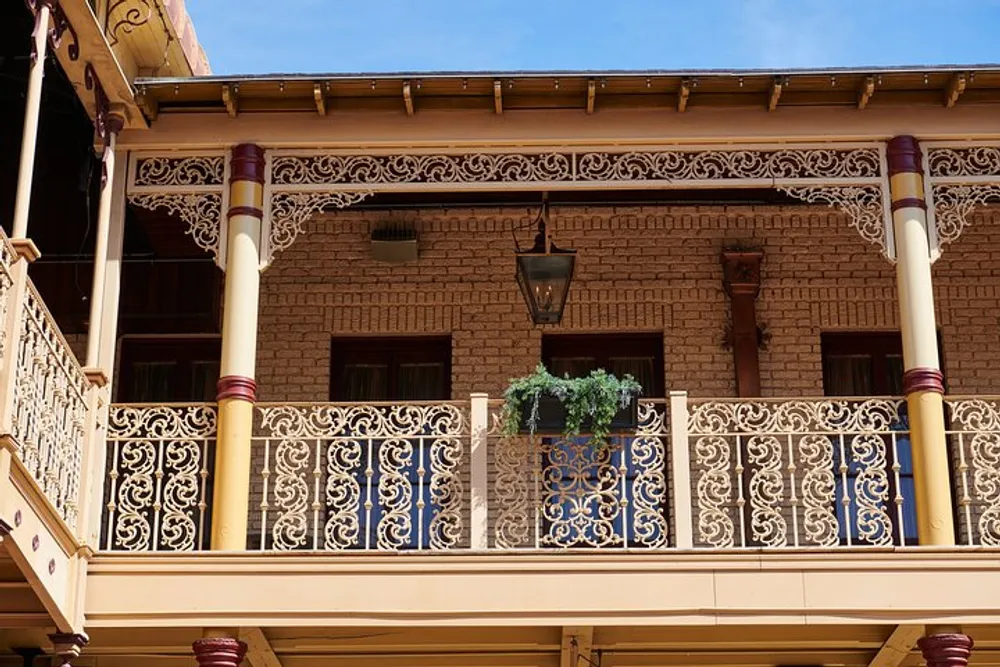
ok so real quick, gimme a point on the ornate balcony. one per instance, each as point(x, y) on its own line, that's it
point(727, 473)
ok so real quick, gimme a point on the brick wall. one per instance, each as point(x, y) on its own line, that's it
point(638, 269)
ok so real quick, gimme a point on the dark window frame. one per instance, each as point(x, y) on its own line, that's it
point(184, 351)
point(393, 352)
point(605, 346)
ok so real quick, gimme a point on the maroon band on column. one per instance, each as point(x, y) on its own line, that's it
point(247, 163)
point(245, 210)
point(908, 202)
point(219, 652)
point(923, 379)
point(903, 155)
point(950, 650)
point(236, 386)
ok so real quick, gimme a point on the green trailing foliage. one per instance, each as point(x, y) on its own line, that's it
point(599, 397)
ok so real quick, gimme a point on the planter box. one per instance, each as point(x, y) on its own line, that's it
point(552, 418)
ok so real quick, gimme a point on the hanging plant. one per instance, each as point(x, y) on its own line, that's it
point(591, 404)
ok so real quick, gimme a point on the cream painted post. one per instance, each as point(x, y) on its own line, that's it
point(109, 175)
point(32, 105)
point(923, 382)
point(680, 470)
point(101, 336)
point(479, 416)
point(237, 388)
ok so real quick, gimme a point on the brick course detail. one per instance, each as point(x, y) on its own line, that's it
point(649, 268)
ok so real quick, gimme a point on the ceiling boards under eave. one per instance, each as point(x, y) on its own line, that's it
point(588, 92)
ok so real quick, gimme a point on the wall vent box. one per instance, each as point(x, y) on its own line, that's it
point(394, 245)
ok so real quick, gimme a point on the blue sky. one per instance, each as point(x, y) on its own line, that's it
point(268, 36)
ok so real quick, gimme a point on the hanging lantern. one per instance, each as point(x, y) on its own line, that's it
point(544, 273)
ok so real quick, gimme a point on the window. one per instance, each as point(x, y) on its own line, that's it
point(640, 355)
point(163, 370)
point(871, 364)
point(390, 369)
point(582, 495)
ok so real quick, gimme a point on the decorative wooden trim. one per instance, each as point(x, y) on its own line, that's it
point(904, 156)
point(946, 650)
point(245, 210)
point(908, 202)
point(247, 164)
point(923, 379)
point(219, 652)
point(67, 645)
point(236, 386)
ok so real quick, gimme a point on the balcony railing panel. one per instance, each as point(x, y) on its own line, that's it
point(798, 472)
point(553, 492)
point(974, 435)
point(373, 476)
point(159, 463)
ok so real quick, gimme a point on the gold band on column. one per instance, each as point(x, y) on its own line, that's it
point(923, 382)
point(237, 389)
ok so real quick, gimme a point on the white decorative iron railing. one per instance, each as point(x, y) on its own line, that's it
point(45, 397)
point(728, 473)
point(800, 472)
point(563, 493)
point(159, 463)
point(366, 476)
point(974, 433)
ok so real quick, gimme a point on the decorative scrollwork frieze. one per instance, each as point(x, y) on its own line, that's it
point(660, 165)
point(186, 170)
point(963, 161)
point(953, 204)
point(290, 211)
point(861, 203)
point(202, 211)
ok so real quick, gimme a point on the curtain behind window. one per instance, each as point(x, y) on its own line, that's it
point(848, 375)
point(365, 382)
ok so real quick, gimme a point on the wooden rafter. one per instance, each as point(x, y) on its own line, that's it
point(320, 98)
point(498, 96)
point(776, 87)
point(956, 86)
point(408, 98)
point(898, 646)
point(866, 91)
point(579, 655)
point(260, 653)
point(683, 93)
point(231, 98)
point(150, 105)
point(591, 95)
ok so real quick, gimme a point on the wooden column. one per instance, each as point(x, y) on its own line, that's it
point(29, 133)
point(923, 382)
point(741, 280)
point(237, 388)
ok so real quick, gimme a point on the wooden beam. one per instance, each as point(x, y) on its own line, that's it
point(776, 87)
point(320, 98)
point(683, 93)
point(578, 655)
point(259, 650)
point(230, 97)
point(498, 96)
point(408, 98)
point(898, 646)
point(591, 95)
point(955, 88)
point(150, 105)
point(866, 91)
